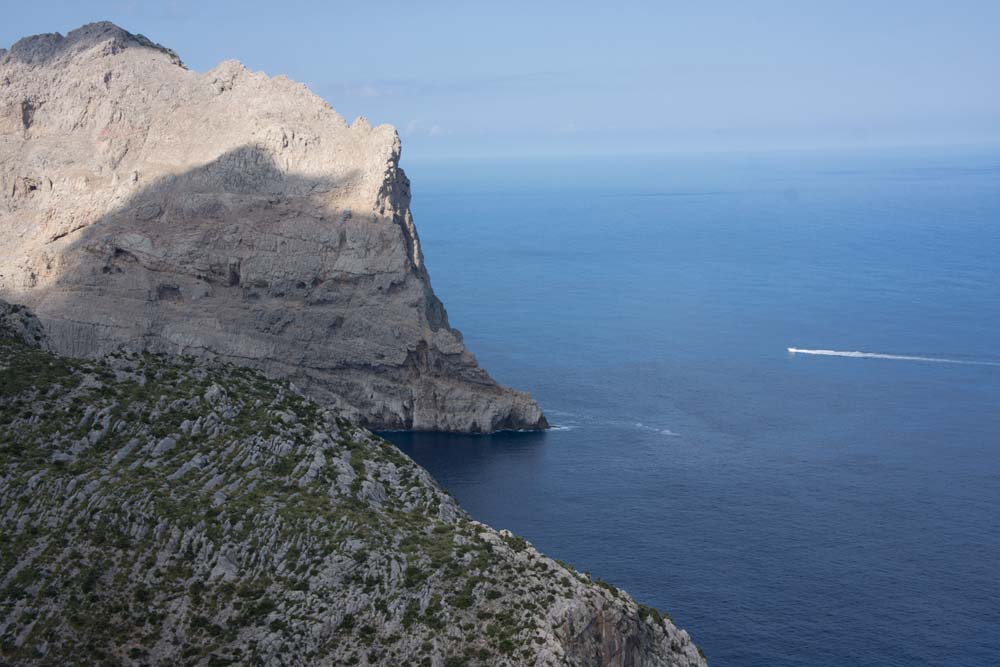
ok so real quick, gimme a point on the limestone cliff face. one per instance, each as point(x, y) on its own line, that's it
point(225, 214)
point(167, 511)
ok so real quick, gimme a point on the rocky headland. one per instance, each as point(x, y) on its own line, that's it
point(231, 215)
point(229, 289)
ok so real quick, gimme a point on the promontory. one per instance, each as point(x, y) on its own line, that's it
point(148, 207)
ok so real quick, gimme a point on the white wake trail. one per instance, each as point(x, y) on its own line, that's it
point(892, 357)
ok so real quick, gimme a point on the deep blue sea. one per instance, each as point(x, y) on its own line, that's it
point(788, 510)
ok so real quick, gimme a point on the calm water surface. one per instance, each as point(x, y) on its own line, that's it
point(786, 509)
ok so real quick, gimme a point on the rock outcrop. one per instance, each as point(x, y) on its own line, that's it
point(179, 511)
point(225, 214)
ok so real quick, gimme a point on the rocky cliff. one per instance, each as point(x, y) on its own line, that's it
point(178, 511)
point(225, 214)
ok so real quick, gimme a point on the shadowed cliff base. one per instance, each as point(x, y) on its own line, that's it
point(241, 260)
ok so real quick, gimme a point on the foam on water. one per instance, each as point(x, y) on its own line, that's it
point(654, 429)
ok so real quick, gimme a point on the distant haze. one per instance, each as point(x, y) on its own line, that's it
point(547, 78)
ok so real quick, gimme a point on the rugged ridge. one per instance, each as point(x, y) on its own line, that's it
point(225, 214)
point(180, 511)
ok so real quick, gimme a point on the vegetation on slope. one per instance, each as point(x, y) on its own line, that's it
point(167, 511)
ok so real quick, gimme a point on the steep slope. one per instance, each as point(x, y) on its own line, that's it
point(225, 214)
point(161, 511)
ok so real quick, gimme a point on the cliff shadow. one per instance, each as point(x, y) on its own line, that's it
point(241, 259)
point(243, 188)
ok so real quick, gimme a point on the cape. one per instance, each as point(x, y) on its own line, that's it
point(148, 207)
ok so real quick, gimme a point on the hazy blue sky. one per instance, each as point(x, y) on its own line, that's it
point(584, 77)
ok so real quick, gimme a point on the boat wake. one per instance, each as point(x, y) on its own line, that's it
point(891, 357)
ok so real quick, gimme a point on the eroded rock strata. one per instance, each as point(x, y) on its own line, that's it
point(179, 511)
point(225, 214)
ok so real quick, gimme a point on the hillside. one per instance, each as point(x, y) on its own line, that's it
point(174, 511)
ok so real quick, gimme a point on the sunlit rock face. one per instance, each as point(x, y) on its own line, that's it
point(225, 214)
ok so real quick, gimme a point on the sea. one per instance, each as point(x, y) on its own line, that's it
point(804, 508)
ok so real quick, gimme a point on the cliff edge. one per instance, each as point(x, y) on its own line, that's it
point(230, 215)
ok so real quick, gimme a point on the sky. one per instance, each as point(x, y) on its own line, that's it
point(468, 79)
